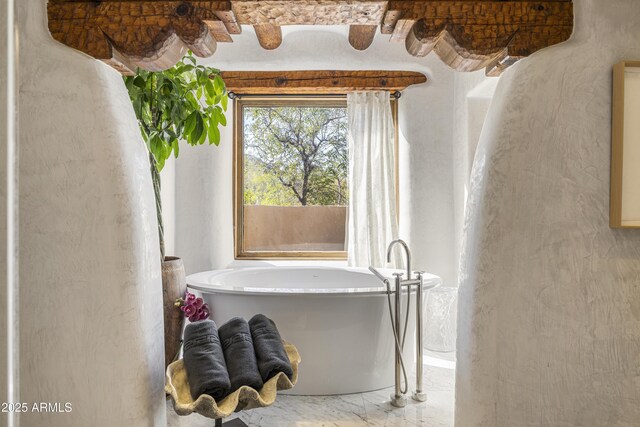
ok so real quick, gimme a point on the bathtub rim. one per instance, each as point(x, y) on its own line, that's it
point(194, 281)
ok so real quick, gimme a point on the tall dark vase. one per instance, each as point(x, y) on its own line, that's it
point(174, 285)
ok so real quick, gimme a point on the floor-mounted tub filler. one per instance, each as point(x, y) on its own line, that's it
point(336, 317)
point(398, 398)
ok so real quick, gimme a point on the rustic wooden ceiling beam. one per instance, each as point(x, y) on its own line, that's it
point(466, 34)
point(219, 31)
point(389, 21)
point(309, 12)
point(304, 82)
point(127, 34)
point(402, 29)
point(229, 18)
point(474, 34)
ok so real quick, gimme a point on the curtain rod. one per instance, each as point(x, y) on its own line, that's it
point(233, 95)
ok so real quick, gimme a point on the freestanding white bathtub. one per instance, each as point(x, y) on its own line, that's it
point(337, 318)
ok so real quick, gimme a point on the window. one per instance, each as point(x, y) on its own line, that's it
point(291, 172)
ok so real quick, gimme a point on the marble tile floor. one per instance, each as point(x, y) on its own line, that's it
point(354, 410)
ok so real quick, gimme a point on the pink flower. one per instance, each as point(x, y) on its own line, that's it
point(189, 298)
point(189, 310)
point(194, 309)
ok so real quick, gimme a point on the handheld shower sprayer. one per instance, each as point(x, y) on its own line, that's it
point(378, 274)
point(399, 398)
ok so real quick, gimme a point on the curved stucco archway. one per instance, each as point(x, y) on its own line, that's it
point(91, 324)
point(549, 315)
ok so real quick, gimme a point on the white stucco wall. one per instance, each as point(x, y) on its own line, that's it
point(91, 301)
point(203, 217)
point(472, 94)
point(167, 195)
point(549, 314)
point(426, 175)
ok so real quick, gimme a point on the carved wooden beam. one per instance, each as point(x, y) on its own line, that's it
point(149, 34)
point(466, 34)
point(363, 15)
point(219, 31)
point(301, 82)
point(389, 21)
point(309, 12)
point(473, 34)
point(402, 29)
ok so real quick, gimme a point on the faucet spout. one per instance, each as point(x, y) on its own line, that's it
point(407, 252)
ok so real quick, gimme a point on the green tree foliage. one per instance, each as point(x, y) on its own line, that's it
point(264, 188)
point(295, 156)
point(184, 103)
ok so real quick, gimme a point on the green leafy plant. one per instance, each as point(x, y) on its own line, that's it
point(184, 103)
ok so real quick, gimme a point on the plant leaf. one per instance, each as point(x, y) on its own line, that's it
point(214, 134)
point(190, 123)
point(220, 116)
point(219, 85)
point(176, 147)
point(139, 82)
point(209, 87)
point(155, 146)
point(160, 165)
point(198, 131)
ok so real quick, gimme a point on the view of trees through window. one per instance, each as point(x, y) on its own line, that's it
point(294, 182)
point(295, 156)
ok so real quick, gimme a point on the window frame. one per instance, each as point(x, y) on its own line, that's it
point(239, 103)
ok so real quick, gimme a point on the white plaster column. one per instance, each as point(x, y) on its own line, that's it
point(472, 93)
point(91, 299)
point(549, 315)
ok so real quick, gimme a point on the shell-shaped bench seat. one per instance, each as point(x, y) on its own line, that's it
point(245, 397)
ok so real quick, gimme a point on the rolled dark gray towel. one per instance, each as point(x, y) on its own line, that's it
point(204, 360)
point(239, 356)
point(270, 352)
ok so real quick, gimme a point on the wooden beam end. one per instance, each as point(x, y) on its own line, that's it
point(361, 36)
point(269, 36)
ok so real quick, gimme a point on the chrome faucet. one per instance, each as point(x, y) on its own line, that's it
point(407, 252)
point(398, 398)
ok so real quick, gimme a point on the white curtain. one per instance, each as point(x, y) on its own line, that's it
point(372, 223)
